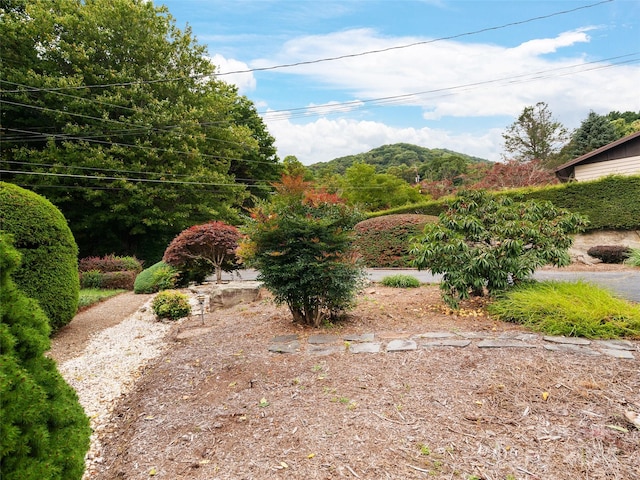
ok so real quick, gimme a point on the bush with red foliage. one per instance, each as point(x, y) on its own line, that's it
point(110, 263)
point(203, 249)
point(384, 242)
point(512, 174)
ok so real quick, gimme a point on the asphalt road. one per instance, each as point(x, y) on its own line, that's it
point(625, 284)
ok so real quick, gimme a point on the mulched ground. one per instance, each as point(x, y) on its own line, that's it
point(218, 405)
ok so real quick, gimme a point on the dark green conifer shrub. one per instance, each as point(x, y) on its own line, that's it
point(49, 269)
point(44, 432)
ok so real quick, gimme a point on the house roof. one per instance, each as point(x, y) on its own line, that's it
point(563, 171)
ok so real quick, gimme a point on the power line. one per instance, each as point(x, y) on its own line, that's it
point(320, 60)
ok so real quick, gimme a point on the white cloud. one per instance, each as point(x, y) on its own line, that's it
point(454, 79)
point(245, 82)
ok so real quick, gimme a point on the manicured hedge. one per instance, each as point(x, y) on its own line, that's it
point(610, 203)
point(49, 270)
point(384, 242)
point(44, 430)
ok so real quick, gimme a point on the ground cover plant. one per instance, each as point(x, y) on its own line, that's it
point(576, 309)
point(44, 430)
point(486, 243)
point(91, 296)
point(400, 281)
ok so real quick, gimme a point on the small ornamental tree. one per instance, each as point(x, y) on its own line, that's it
point(202, 249)
point(44, 432)
point(301, 244)
point(484, 242)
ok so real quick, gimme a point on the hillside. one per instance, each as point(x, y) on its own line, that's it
point(401, 158)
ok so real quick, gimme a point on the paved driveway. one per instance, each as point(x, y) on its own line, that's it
point(626, 284)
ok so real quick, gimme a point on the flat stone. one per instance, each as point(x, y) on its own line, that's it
point(368, 347)
point(434, 335)
point(567, 340)
point(365, 337)
point(504, 343)
point(570, 348)
point(321, 350)
point(473, 335)
point(284, 338)
point(289, 347)
point(614, 352)
point(323, 339)
point(401, 345)
point(447, 343)
point(523, 337)
point(616, 344)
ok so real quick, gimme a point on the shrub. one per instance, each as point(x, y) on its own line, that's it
point(159, 276)
point(119, 280)
point(110, 263)
point(565, 308)
point(400, 281)
point(488, 242)
point(171, 304)
point(49, 269)
point(301, 244)
point(384, 242)
point(44, 430)
point(634, 258)
point(203, 249)
point(610, 253)
point(91, 279)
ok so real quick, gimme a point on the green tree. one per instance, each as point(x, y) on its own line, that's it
point(292, 167)
point(365, 188)
point(44, 432)
point(535, 135)
point(484, 242)
point(301, 244)
point(116, 116)
point(594, 132)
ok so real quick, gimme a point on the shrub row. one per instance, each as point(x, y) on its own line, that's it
point(108, 280)
point(110, 263)
point(384, 242)
point(610, 203)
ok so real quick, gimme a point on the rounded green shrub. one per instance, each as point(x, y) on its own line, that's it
point(171, 304)
point(157, 277)
point(610, 253)
point(384, 242)
point(44, 432)
point(49, 269)
point(400, 281)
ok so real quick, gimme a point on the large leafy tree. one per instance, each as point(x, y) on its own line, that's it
point(484, 242)
point(535, 135)
point(115, 115)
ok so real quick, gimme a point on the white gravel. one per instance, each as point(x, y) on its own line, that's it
point(109, 366)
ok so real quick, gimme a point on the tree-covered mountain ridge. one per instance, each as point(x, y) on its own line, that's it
point(394, 155)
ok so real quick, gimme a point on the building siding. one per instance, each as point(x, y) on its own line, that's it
point(621, 166)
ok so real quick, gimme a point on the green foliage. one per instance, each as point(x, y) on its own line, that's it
point(634, 258)
point(157, 277)
point(535, 135)
point(171, 304)
point(301, 244)
point(365, 188)
point(486, 242)
point(110, 263)
point(142, 158)
point(91, 279)
point(384, 242)
point(49, 269)
point(110, 271)
point(610, 253)
point(400, 281)
point(572, 309)
point(202, 249)
point(91, 296)
point(594, 132)
point(44, 432)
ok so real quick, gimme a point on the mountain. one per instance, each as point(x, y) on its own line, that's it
point(401, 159)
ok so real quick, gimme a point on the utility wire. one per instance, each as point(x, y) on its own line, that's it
point(319, 60)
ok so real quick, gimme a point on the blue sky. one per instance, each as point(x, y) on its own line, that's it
point(458, 93)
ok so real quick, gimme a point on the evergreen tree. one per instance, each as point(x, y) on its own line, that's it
point(594, 132)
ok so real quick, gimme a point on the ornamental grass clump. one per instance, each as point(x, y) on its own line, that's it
point(171, 304)
point(576, 309)
point(400, 281)
point(634, 258)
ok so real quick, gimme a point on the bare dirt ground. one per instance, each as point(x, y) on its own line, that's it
point(218, 405)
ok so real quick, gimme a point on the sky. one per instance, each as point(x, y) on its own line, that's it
point(435, 73)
